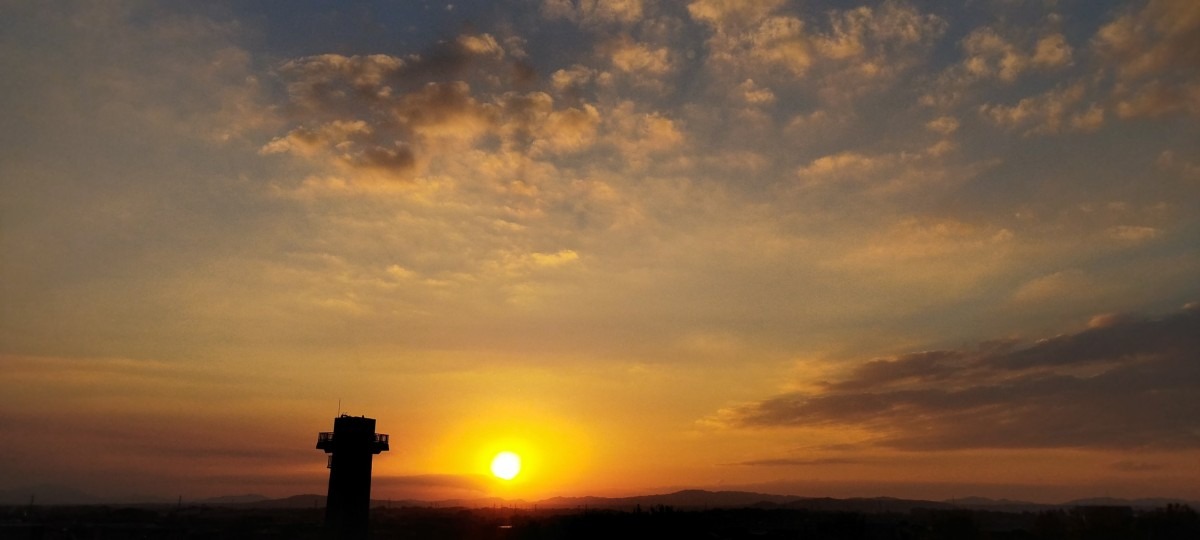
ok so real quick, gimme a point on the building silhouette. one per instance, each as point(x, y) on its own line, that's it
point(350, 446)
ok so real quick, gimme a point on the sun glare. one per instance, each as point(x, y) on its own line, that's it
point(506, 465)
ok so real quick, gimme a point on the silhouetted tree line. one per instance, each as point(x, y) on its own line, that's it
point(1082, 523)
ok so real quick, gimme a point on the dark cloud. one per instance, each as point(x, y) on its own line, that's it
point(918, 366)
point(391, 159)
point(1127, 384)
point(332, 81)
point(397, 115)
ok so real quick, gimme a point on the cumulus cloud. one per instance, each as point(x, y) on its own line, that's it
point(998, 54)
point(1127, 384)
point(572, 79)
point(867, 34)
point(1051, 51)
point(754, 94)
point(943, 124)
point(777, 42)
point(594, 12)
point(1054, 111)
point(749, 34)
point(733, 13)
point(394, 117)
point(861, 44)
point(640, 59)
point(991, 55)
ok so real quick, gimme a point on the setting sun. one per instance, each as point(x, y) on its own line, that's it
point(506, 465)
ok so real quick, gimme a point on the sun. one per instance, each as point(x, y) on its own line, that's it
point(506, 465)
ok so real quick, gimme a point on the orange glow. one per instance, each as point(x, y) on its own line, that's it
point(554, 454)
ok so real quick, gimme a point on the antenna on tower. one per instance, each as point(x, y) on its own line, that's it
point(339, 407)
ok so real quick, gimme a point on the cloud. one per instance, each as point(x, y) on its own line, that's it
point(572, 79)
point(754, 94)
point(364, 118)
point(731, 13)
point(594, 12)
point(1129, 383)
point(874, 35)
point(881, 174)
point(839, 165)
point(1133, 233)
point(747, 34)
point(1160, 37)
point(1051, 51)
point(944, 125)
point(1066, 285)
point(991, 55)
point(1052, 112)
point(1156, 50)
point(778, 42)
point(559, 258)
point(861, 44)
point(640, 58)
point(1002, 54)
point(1156, 98)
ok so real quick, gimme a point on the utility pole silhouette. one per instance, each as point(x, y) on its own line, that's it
point(350, 446)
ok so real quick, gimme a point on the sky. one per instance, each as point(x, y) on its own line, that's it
point(823, 248)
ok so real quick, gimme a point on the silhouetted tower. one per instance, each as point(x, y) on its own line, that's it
point(350, 446)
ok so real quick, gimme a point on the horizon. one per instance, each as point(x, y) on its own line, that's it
point(65, 496)
point(896, 248)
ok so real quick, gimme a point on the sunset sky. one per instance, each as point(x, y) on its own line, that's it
point(914, 249)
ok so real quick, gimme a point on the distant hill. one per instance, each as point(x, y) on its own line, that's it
point(689, 499)
point(234, 499)
point(1000, 505)
point(295, 501)
point(867, 505)
point(693, 499)
point(1136, 503)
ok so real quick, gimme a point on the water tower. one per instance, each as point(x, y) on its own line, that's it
point(350, 446)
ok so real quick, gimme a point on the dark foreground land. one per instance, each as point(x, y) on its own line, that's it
point(108, 522)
